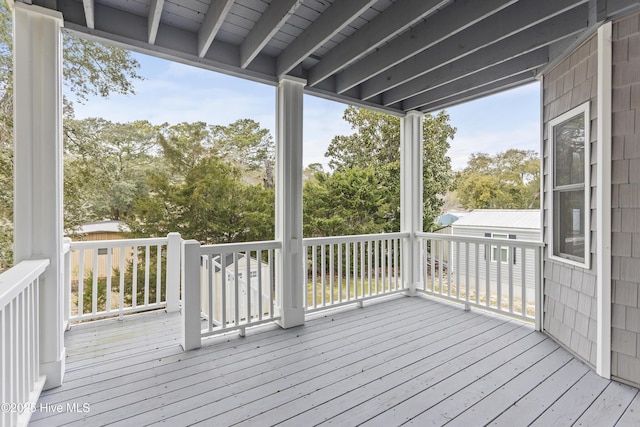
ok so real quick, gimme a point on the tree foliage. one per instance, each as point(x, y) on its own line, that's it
point(375, 144)
point(105, 168)
point(508, 180)
point(200, 193)
point(348, 201)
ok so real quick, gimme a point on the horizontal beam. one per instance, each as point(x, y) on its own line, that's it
point(329, 23)
point(450, 20)
point(516, 66)
point(490, 89)
point(506, 23)
point(544, 34)
point(395, 19)
point(218, 10)
point(155, 13)
point(276, 15)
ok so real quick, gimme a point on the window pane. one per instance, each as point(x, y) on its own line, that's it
point(569, 151)
point(569, 224)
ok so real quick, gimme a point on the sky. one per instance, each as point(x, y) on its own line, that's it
point(174, 93)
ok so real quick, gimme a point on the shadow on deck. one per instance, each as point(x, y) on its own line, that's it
point(401, 360)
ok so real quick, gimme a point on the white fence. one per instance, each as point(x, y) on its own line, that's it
point(19, 351)
point(345, 269)
point(106, 278)
point(476, 278)
point(232, 286)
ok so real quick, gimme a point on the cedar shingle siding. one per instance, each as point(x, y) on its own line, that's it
point(569, 292)
point(625, 246)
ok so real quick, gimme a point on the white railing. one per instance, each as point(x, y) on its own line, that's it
point(349, 269)
point(116, 277)
point(499, 275)
point(231, 286)
point(19, 350)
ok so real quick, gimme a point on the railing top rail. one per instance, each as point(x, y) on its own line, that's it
point(310, 241)
point(93, 244)
point(14, 280)
point(482, 240)
point(227, 248)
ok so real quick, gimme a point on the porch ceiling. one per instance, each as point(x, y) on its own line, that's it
point(398, 55)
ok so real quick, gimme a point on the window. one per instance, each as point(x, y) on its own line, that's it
point(504, 251)
point(569, 186)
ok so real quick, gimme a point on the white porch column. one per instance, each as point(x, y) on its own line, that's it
point(411, 209)
point(37, 77)
point(603, 200)
point(290, 280)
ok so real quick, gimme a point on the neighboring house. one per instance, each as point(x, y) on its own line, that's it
point(96, 231)
point(509, 224)
point(260, 284)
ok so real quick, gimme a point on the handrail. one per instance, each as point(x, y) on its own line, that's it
point(97, 244)
point(529, 244)
point(309, 241)
point(14, 280)
point(228, 248)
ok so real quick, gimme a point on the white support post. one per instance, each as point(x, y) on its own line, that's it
point(173, 272)
point(290, 280)
point(37, 74)
point(603, 203)
point(191, 335)
point(411, 209)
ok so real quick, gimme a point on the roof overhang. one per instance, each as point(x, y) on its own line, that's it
point(394, 55)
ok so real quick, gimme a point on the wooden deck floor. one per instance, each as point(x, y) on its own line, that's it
point(404, 360)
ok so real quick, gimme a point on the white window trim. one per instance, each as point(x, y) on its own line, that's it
point(502, 248)
point(581, 109)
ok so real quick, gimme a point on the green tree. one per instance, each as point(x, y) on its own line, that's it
point(89, 68)
point(212, 205)
point(376, 143)
point(105, 168)
point(200, 190)
point(347, 201)
point(508, 180)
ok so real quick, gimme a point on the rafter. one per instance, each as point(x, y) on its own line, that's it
point(155, 12)
point(214, 18)
point(330, 22)
point(528, 62)
point(508, 22)
point(480, 92)
point(526, 41)
point(267, 26)
point(392, 21)
point(451, 20)
point(89, 7)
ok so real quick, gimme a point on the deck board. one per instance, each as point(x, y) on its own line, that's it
point(399, 360)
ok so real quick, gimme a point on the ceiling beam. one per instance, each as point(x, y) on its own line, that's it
point(395, 19)
point(495, 87)
point(89, 13)
point(544, 34)
point(267, 26)
point(528, 62)
point(506, 23)
point(450, 20)
point(155, 12)
point(329, 23)
point(615, 7)
point(218, 10)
